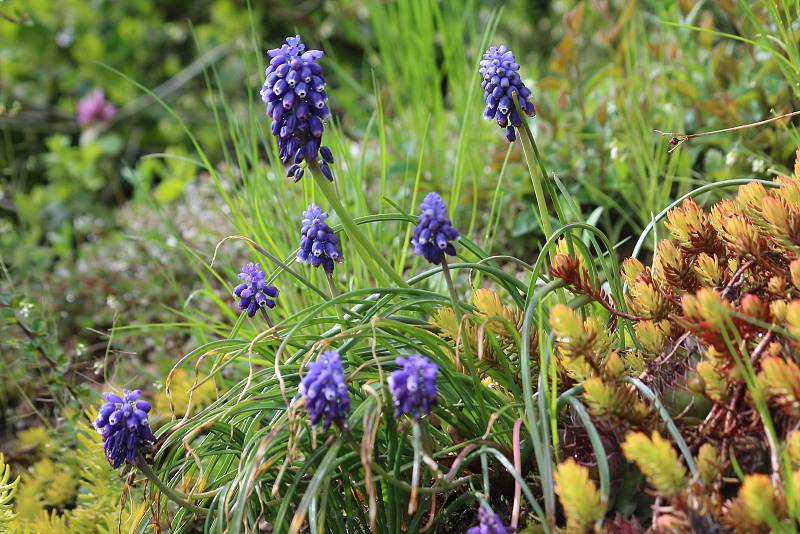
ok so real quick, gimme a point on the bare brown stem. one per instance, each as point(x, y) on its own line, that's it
point(677, 139)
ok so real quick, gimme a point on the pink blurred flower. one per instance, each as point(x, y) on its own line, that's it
point(93, 108)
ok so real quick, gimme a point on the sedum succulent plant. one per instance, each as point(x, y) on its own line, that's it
point(716, 323)
point(582, 503)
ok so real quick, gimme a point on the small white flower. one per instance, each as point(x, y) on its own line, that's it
point(65, 38)
point(25, 309)
point(759, 166)
point(730, 158)
point(614, 150)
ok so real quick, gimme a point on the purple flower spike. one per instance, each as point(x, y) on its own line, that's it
point(94, 109)
point(294, 91)
point(500, 82)
point(434, 233)
point(254, 293)
point(488, 523)
point(326, 154)
point(318, 244)
point(122, 422)
point(324, 390)
point(413, 386)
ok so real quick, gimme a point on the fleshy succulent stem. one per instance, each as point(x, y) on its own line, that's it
point(173, 495)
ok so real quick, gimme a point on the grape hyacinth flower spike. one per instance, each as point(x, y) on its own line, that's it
point(254, 293)
point(324, 390)
point(488, 523)
point(413, 386)
point(122, 422)
point(318, 244)
point(434, 234)
point(294, 91)
point(501, 81)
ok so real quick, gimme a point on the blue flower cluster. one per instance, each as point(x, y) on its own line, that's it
point(413, 386)
point(296, 99)
point(324, 390)
point(254, 293)
point(501, 81)
point(488, 523)
point(294, 90)
point(434, 233)
point(122, 422)
point(318, 244)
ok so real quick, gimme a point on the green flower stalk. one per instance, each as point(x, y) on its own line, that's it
point(533, 157)
point(366, 248)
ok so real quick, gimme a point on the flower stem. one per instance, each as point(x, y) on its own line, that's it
point(677, 139)
point(451, 288)
point(267, 318)
point(368, 251)
point(441, 485)
point(469, 363)
point(532, 157)
point(334, 293)
point(176, 497)
point(415, 470)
